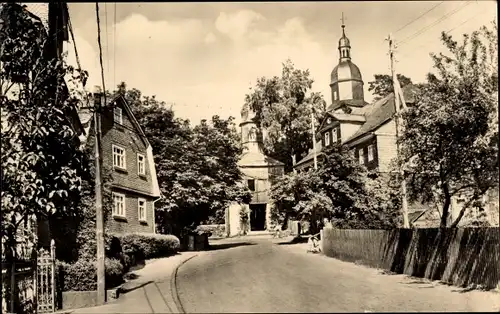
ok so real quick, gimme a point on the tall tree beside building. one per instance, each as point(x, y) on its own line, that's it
point(283, 110)
point(42, 164)
point(196, 166)
point(382, 85)
point(450, 136)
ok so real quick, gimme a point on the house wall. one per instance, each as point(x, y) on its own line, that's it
point(131, 223)
point(348, 129)
point(127, 137)
point(386, 145)
point(128, 181)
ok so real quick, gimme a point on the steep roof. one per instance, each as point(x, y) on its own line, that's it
point(258, 159)
point(382, 111)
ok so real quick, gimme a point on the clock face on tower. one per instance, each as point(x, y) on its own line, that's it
point(329, 120)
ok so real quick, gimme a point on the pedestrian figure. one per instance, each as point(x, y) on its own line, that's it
point(313, 244)
point(277, 231)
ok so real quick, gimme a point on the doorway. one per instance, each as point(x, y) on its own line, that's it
point(257, 217)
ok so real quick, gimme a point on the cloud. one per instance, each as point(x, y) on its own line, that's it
point(238, 24)
point(210, 38)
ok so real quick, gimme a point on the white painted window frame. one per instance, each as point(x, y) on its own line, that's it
point(117, 111)
point(115, 208)
point(143, 219)
point(361, 156)
point(327, 138)
point(124, 167)
point(336, 137)
point(139, 156)
point(371, 152)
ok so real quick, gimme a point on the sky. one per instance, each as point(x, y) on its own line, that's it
point(203, 58)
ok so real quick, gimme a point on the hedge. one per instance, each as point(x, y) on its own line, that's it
point(212, 230)
point(122, 252)
point(82, 275)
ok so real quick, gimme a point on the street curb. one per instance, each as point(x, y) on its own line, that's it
point(173, 286)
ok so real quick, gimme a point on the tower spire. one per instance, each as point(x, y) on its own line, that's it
point(344, 45)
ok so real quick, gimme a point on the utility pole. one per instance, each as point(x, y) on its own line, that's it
point(313, 131)
point(397, 94)
point(101, 283)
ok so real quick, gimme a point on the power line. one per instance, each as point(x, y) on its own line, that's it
point(424, 29)
point(422, 15)
point(416, 49)
point(70, 26)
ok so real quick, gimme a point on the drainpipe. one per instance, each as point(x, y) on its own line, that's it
point(154, 213)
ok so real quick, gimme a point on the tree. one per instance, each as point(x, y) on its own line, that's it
point(383, 85)
point(340, 190)
point(42, 164)
point(283, 109)
point(450, 137)
point(196, 166)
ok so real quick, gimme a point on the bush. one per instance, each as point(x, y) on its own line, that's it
point(212, 230)
point(146, 246)
point(82, 275)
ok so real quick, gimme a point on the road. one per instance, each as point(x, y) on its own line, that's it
point(261, 276)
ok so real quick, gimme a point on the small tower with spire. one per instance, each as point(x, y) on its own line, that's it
point(346, 82)
point(344, 44)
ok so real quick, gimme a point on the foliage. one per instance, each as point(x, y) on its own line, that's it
point(42, 165)
point(282, 106)
point(82, 275)
point(383, 85)
point(341, 191)
point(451, 134)
point(196, 166)
point(149, 245)
point(214, 230)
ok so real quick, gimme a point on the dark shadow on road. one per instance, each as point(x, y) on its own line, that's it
point(224, 246)
point(130, 286)
point(295, 240)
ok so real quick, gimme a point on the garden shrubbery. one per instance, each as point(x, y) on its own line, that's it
point(218, 231)
point(123, 251)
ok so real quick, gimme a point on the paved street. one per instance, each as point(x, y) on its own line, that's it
point(255, 275)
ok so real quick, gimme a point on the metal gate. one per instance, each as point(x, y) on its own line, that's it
point(45, 280)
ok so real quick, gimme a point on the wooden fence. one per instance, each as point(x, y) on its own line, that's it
point(460, 257)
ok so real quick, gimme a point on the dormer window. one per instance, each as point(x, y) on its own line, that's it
point(327, 138)
point(335, 137)
point(118, 118)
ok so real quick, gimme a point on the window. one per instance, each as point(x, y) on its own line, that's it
point(119, 157)
point(118, 118)
point(141, 205)
point(371, 150)
point(251, 185)
point(118, 205)
point(335, 95)
point(327, 138)
point(361, 153)
point(335, 137)
point(141, 164)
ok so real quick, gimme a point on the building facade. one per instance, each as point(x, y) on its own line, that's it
point(259, 172)
point(369, 131)
point(128, 157)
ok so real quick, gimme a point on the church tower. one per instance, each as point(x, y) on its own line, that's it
point(251, 137)
point(346, 83)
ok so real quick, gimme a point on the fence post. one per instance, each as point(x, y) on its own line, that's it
point(13, 285)
point(53, 273)
point(322, 240)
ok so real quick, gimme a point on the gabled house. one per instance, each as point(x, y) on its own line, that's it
point(128, 156)
point(369, 131)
